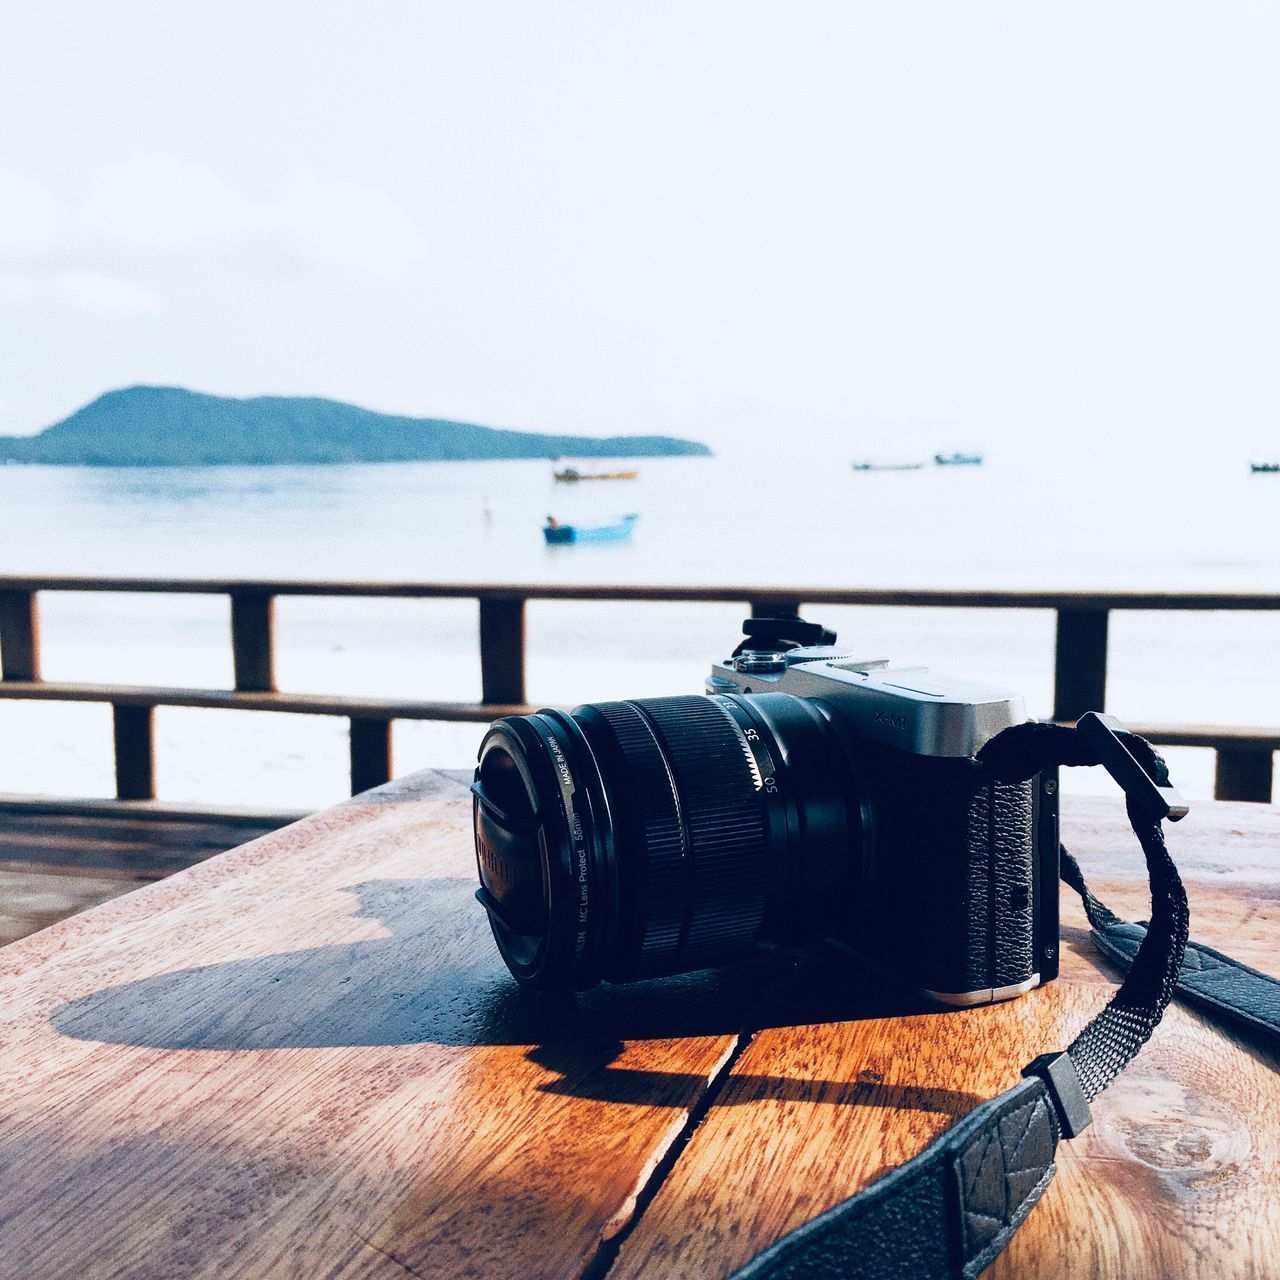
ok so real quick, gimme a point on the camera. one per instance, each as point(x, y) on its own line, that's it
point(808, 796)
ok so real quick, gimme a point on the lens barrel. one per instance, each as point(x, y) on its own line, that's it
point(647, 837)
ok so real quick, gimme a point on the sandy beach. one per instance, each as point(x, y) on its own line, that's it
point(577, 653)
point(701, 521)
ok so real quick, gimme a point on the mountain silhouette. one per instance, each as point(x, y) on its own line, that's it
point(170, 426)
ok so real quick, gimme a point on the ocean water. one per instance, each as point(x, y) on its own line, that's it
point(794, 520)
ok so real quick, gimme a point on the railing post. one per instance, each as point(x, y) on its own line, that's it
point(502, 650)
point(19, 636)
point(134, 730)
point(1242, 774)
point(253, 615)
point(370, 753)
point(1080, 665)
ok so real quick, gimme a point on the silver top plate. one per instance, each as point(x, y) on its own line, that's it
point(912, 708)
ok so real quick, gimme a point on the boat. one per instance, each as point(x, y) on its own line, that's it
point(570, 474)
point(1259, 468)
point(957, 459)
point(888, 466)
point(557, 534)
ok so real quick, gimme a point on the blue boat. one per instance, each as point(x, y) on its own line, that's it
point(556, 533)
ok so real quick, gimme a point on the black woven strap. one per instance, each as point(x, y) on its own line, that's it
point(1218, 984)
point(953, 1208)
point(1109, 1041)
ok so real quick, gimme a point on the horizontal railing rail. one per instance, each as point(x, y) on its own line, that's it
point(1244, 756)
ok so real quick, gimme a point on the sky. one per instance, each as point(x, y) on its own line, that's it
point(807, 226)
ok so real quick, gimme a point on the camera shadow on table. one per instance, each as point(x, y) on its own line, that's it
point(437, 978)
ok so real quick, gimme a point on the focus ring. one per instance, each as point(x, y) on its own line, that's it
point(650, 800)
point(722, 799)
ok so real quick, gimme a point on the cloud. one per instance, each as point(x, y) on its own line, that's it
point(358, 228)
point(156, 205)
point(102, 294)
point(31, 219)
point(17, 288)
point(94, 292)
point(153, 209)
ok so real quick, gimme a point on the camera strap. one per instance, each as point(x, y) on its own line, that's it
point(1217, 984)
point(949, 1211)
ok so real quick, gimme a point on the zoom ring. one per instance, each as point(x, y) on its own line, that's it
point(651, 800)
point(723, 807)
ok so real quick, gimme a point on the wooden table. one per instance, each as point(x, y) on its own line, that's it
point(56, 860)
point(303, 1058)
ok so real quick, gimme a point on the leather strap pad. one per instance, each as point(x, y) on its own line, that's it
point(945, 1214)
point(1207, 978)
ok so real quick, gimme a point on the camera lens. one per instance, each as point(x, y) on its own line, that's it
point(633, 839)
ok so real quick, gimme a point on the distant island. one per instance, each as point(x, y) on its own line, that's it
point(173, 427)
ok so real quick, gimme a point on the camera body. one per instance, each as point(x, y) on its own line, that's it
point(952, 885)
point(807, 796)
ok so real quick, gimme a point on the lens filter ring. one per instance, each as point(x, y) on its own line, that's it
point(539, 837)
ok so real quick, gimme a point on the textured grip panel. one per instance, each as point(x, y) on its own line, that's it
point(1013, 854)
point(951, 908)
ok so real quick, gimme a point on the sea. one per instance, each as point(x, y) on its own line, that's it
point(796, 518)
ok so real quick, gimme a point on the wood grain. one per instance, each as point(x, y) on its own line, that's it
point(1178, 1175)
point(53, 865)
point(304, 1058)
point(307, 704)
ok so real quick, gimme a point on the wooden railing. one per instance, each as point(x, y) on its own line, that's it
point(1244, 755)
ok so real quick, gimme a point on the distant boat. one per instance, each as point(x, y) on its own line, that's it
point(618, 531)
point(570, 474)
point(958, 459)
point(888, 466)
point(1259, 468)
